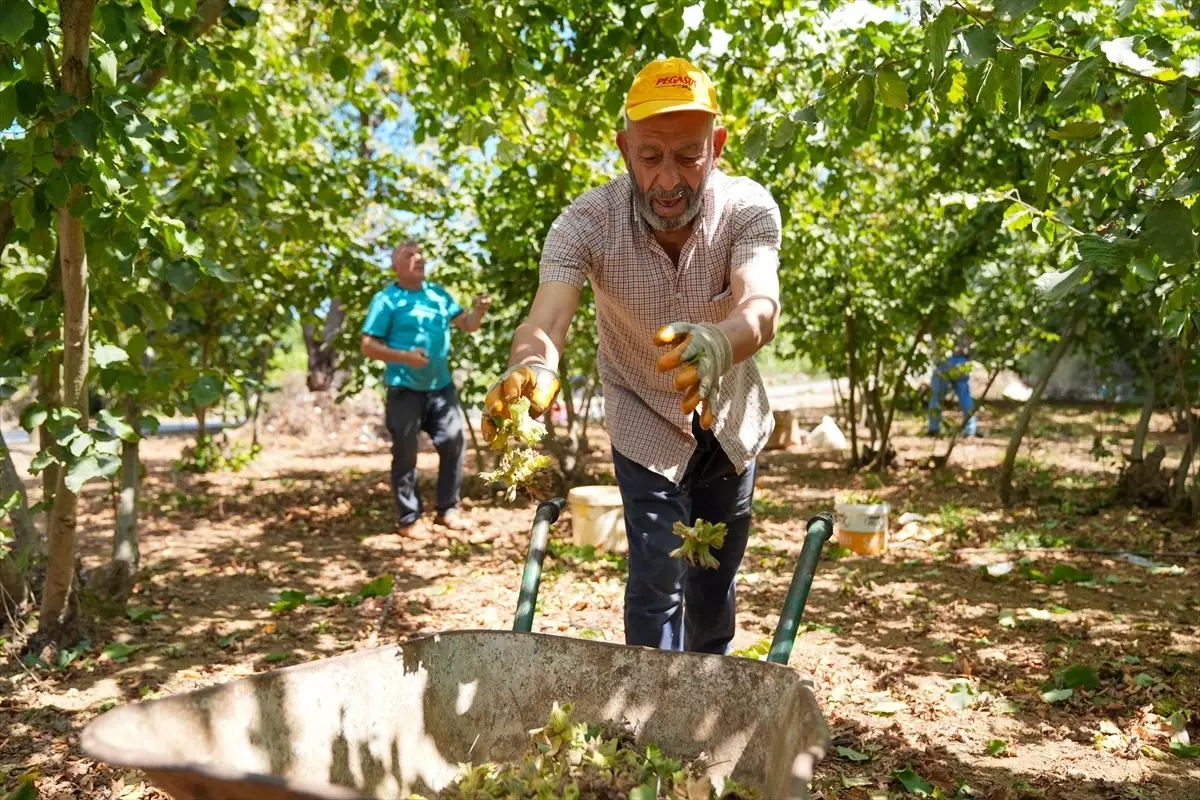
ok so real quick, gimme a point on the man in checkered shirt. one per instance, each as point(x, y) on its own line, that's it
point(675, 243)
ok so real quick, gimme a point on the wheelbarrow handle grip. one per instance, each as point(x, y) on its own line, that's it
point(820, 528)
point(546, 515)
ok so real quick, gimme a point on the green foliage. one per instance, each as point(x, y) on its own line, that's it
point(520, 467)
point(211, 455)
point(575, 759)
point(698, 542)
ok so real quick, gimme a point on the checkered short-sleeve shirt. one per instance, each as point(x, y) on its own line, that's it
point(601, 238)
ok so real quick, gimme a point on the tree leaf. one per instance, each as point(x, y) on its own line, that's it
point(206, 390)
point(1039, 31)
point(1078, 80)
point(1010, 76)
point(220, 273)
point(1057, 695)
point(1144, 680)
point(120, 428)
point(852, 754)
point(106, 354)
point(182, 276)
point(120, 652)
point(1177, 95)
point(152, 15)
point(1041, 179)
point(1110, 252)
point(32, 416)
point(1078, 130)
point(937, 39)
point(1055, 284)
point(864, 102)
point(978, 45)
point(784, 133)
point(16, 17)
point(1013, 10)
point(892, 90)
point(756, 142)
point(1142, 115)
point(95, 465)
point(339, 68)
point(1186, 186)
point(961, 696)
point(887, 708)
point(997, 747)
point(380, 587)
point(851, 781)
point(913, 783)
point(1078, 676)
point(277, 656)
point(1168, 229)
point(1018, 216)
point(85, 126)
point(107, 68)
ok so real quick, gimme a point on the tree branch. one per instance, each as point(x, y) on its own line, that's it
point(207, 14)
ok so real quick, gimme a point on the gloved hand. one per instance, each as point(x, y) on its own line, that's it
point(537, 383)
point(704, 352)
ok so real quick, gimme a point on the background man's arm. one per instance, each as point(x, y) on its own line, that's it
point(373, 348)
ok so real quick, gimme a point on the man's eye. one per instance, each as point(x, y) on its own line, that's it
point(650, 161)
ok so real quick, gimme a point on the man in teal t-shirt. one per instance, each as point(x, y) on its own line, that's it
point(408, 328)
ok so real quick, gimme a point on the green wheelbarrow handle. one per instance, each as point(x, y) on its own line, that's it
point(546, 515)
point(820, 528)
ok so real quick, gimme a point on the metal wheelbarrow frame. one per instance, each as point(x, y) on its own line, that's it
point(390, 721)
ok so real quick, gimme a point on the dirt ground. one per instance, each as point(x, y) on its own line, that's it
point(936, 675)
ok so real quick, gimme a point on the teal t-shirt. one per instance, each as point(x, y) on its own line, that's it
point(404, 319)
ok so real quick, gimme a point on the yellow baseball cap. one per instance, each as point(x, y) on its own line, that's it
point(670, 84)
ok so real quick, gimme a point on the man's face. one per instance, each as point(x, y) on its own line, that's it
point(669, 157)
point(409, 265)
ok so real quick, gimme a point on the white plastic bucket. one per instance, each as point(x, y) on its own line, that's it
point(598, 518)
point(863, 529)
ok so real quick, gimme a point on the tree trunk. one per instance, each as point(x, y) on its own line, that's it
point(56, 622)
point(850, 348)
point(1014, 443)
point(50, 396)
point(116, 582)
point(589, 394)
point(1142, 431)
point(323, 361)
point(893, 401)
point(27, 542)
point(1184, 468)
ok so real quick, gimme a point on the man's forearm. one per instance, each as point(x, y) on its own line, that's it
point(751, 326)
point(373, 348)
point(473, 321)
point(534, 345)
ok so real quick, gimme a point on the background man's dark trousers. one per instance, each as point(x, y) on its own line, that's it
point(670, 604)
point(437, 413)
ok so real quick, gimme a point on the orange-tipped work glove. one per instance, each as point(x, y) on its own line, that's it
point(704, 354)
point(538, 384)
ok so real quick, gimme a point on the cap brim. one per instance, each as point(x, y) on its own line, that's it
point(652, 108)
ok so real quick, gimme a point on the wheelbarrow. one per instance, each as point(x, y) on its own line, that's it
point(390, 721)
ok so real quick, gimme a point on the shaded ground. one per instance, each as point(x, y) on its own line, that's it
point(923, 661)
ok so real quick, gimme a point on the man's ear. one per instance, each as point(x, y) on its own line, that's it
point(719, 137)
point(623, 146)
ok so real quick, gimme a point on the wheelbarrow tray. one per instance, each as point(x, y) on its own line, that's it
point(391, 721)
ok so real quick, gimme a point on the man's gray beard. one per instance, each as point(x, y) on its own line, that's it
point(645, 204)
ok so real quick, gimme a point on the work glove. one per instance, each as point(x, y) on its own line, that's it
point(537, 383)
point(705, 354)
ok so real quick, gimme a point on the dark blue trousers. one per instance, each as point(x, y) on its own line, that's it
point(670, 604)
point(437, 413)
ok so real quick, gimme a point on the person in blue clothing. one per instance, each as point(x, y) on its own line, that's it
point(954, 372)
point(408, 328)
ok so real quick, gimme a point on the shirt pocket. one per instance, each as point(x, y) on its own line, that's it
point(715, 309)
